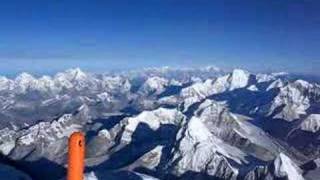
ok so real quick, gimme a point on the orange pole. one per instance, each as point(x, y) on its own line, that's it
point(76, 153)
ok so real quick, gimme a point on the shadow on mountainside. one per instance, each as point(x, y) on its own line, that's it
point(39, 169)
point(243, 101)
point(144, 139)
point(118, 175)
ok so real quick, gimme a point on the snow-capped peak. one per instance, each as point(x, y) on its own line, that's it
point(155, 83)
point(5, 83)
point(265, 77)
point(276, 84)
point(311, 123)
point(24, 77)
point(278, 74)
point(197, 131)
point(296, 101)
point(239, 78)
point(153, 118)
point(284, 167)
point(303, 84)
point(76, 74)
point(70, 75)
point(212, 68)
point(25, 81)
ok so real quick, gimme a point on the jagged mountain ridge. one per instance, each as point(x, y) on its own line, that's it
point(180, 126)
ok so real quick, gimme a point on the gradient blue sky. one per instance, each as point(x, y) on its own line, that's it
point(44, 36)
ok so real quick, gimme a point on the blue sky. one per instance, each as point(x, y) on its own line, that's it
point(42, 36)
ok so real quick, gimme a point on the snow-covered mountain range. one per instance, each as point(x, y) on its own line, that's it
point(162, 123)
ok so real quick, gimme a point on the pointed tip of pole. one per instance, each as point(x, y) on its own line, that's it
point(77, 134)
